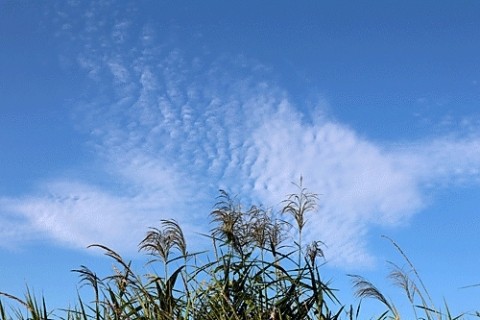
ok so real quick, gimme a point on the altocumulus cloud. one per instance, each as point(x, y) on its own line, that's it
point(171, 129)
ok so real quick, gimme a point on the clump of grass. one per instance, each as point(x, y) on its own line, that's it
point(409, 281)
point(254, 270)
point(250, 273)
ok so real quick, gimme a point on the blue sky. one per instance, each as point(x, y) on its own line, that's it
point(115, 115)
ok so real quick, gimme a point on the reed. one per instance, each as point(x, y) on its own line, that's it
point(254, 270)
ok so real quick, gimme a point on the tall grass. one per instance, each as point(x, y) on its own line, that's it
point(254, 270)
point(409, 281)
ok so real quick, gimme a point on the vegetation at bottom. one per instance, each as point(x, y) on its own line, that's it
point(258, 268)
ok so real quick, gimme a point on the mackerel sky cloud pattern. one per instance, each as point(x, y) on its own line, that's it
point(169, 127)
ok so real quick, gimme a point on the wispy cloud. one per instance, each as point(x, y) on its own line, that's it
point(171, 129)
point(75, 214)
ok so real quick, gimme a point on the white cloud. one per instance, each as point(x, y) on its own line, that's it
point(185, 128)
point(362, 184)
point(167, 158)
point(77, 215)
point(442, 161)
